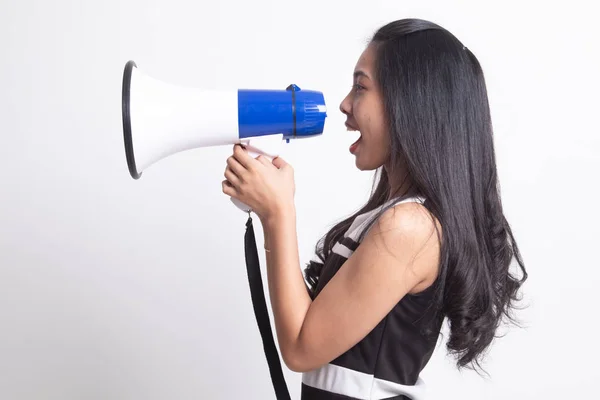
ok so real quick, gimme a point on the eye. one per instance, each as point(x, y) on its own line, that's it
point(358, 87)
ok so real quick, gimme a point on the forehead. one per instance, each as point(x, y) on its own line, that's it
point(366, 60)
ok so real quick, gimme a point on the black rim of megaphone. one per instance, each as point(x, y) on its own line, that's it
point(127, 120)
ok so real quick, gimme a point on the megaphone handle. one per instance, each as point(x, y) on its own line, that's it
point(242, 206)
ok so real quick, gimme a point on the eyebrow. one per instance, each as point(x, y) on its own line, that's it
point(360, 73)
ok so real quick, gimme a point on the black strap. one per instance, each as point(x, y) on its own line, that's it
point(261, 313)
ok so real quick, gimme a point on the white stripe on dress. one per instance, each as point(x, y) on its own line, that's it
point(347, 382)
point(361, 221)
point(341, 250)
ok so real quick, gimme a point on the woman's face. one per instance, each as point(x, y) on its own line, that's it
point(363, 107)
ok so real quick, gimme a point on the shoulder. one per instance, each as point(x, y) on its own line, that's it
point(409, 233)
point(407, 220)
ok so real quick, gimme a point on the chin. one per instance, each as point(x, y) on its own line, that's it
point(365, 166)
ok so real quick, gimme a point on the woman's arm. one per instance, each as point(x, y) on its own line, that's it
point(287, 290)
point(397, 255)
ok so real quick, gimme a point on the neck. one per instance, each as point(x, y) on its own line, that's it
point(400, 183)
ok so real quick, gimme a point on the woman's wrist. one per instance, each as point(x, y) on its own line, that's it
point(280, 219)
point(278, 215)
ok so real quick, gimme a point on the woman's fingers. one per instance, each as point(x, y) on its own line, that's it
point(238, 169)
point(231, 177)
point(228, 188)
point(264, 161)
point(242, 157)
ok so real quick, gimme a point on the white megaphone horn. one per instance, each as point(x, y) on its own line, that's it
point(160, 119)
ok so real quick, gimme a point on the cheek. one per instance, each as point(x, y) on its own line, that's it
point(376, 145)
point(378, 124)
point(372, 123)
point(363, 115)
point(368, 111)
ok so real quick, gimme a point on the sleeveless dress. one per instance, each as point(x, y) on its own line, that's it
point(386, 363)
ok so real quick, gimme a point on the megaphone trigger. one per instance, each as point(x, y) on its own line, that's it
point(256, 154)
point(267, 145)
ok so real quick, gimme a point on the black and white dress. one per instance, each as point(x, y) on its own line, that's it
point(385, 364)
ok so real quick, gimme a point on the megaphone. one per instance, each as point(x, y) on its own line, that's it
point(161, 119)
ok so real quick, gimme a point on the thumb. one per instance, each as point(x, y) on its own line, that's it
point(279, 162)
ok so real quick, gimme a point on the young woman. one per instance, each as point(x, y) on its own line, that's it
point(431, 242)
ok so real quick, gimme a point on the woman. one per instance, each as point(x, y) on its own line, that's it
point(431, 243)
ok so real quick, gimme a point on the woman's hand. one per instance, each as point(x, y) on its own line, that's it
point(266, 187)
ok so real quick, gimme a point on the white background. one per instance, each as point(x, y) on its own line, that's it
point(112, 288)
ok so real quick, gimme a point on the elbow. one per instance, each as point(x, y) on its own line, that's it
point(296, 365)
point(295, 360)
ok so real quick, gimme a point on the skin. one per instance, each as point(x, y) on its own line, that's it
point(399, 255)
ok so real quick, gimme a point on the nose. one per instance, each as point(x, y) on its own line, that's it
point(346, 105)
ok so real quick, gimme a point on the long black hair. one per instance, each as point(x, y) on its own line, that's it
point(436, 105)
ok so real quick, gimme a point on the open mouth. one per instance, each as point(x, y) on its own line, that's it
point(354, 145)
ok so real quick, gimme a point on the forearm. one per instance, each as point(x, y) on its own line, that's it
point(289, 298)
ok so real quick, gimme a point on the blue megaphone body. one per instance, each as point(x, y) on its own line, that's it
point(293, 112)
